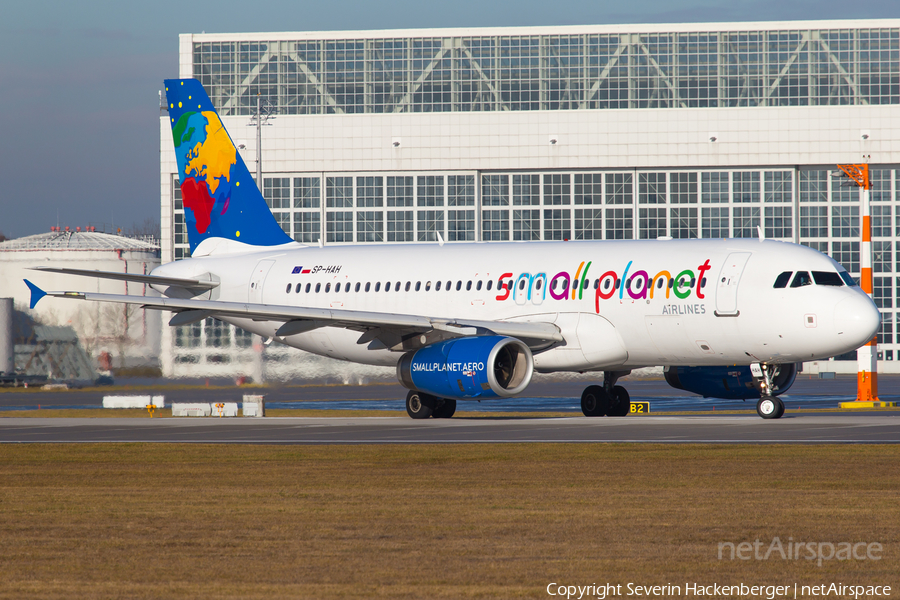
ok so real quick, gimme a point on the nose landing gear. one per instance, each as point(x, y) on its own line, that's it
point(607, 400)
point(769, 406)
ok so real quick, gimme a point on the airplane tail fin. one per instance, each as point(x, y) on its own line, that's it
point(220, 197)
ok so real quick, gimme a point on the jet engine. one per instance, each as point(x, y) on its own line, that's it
point(468, 367)
point(729, 383)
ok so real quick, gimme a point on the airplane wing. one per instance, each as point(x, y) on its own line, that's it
point(387, 327)
point(134, 277)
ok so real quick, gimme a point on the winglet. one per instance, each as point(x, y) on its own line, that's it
point(36, 293)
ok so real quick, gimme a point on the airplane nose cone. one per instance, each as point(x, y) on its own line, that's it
point(856, 319)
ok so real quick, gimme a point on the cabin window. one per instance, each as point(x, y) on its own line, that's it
point(408, 284)
point(596, 284)
point(397, 287)
point(618, 282)
point(458, 285)
point(703, 283)
point(448, 285)
point(308, 286)
point(847, 279)
point(538, 285)
point(522, 283)
point(661, 282)
point(801, 279)
point(418, 285)
point(782, 280)
point(387, 286)
point(606, 284)
point(299, 286)
point(478, 285)
point(327, 287)
point(827, 278)
point(377, 286)
point(288, 290)
point(357, 287)
point(437, 286)
point(469, 285)
point(318, 287)
point(337, 287)
point(368, 286)
point(490, 284)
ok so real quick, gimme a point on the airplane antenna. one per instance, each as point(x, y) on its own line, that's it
point(440, 239)
point(321, 244)
point(759, 231)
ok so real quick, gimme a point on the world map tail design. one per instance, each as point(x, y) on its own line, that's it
point(220, 198)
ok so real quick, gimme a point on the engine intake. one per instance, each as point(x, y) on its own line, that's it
point(469, 367)
point(729, 383)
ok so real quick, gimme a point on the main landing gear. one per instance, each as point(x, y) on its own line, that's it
point(608, 399)
point(420, 405)
point(769, 406)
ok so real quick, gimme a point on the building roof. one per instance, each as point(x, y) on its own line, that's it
point(742, 26)
point(79, 240)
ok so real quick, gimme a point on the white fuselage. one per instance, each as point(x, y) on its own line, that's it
point(712, 301)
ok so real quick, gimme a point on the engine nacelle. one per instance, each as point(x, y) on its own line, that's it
point(469, 367)
point(729, 383)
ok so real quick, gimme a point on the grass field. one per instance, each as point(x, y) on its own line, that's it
point(466, 521)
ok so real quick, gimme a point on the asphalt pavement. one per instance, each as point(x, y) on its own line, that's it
point(542, 396)
point(803, 428)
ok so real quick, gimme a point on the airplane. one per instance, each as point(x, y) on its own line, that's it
point(727, 318)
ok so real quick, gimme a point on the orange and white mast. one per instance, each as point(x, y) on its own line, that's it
point(867, 356)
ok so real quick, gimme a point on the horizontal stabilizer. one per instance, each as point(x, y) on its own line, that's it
point(134, 277)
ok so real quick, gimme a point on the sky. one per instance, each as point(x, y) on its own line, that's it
point(80, 81)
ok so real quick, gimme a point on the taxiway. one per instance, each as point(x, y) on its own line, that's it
point(816, 428)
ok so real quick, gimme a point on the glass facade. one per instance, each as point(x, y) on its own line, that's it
point(781, 67)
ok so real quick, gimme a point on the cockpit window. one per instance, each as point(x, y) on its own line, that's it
point(827, 278)
point(782, 280)
point(800, 279)
point(846, 277)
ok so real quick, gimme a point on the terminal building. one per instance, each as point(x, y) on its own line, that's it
point(555, 133)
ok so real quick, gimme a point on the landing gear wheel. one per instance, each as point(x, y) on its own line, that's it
point(770, 407)
point(445, 408)
point(594, 401)
point(780, 407)
point(620, 402)
point(419, 405)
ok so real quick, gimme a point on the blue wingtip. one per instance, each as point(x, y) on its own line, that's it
point(36, 293)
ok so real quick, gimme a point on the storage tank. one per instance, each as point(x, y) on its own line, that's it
point(129, 334)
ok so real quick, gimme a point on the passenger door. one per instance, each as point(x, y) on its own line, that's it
point(727, 284)
point(257, 279)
